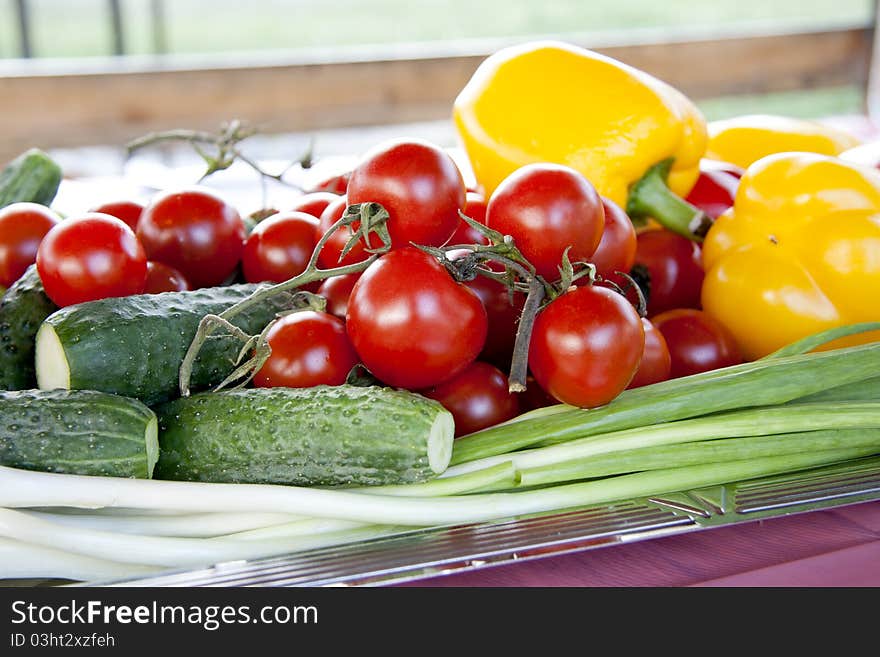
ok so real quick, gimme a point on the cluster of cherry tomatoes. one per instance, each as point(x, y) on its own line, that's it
point(405, 317)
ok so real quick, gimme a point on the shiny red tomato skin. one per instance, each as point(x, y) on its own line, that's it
point(419, 185)
point(329, 256)
point(547, 208)
point(89, 257)
point(308, 349)
point(412, 325)
point(196, 232)
point(714, 191)
point(162, 278)
point(23, 226)
point(656, 363)
point(314, 203)
point(475, 208)
point(337, 184)
point(586, 346)
point(129, 211)
point(675, 267)
point(478, 398)
point(279, 247)
point(337, 291)
point(503, 317)
point(697, 342)
point(617, 248)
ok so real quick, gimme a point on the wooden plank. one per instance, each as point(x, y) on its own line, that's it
point(110, 106)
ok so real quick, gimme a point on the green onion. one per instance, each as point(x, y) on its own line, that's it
point(760, 383)
point(749, 422)
point(807, 344)
point(710, 451)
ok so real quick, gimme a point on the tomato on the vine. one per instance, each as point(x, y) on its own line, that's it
point(337, 290)
point(419, 185)
point(586, 346)
point(279, 247)
point(330, 255)
point(337, 184)
point(91, 256)
point(314, 203)
point(129, 211)
point(548, 208)
point(656, 363)
point(162, 278)
point(413, 325)
point(478, 398)
point(674, 264)
point(617, 248)
point(196, 232)
point(23, 226)
point(308, 348)
point(697, 342)
point(474, 208)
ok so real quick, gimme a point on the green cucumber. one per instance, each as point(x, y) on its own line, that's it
point(32, 176)
point(322, 436)
point(77, 432)
point(133, 346)
point(22, 310)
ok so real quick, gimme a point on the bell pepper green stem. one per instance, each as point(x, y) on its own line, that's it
point(651, 197)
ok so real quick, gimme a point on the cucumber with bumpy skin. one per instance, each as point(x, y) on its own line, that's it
point(133, 346)
point(23, 308)
point(322, 436)
point(32, 176)
point(77, 432)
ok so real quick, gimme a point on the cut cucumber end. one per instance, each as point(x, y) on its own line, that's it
point(53, 370)
point(151, 439)
point(440, 440)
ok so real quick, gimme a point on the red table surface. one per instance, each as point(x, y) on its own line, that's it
point(835, 548)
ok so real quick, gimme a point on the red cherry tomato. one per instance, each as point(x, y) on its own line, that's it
point(337, 184)
point(697, 342)
point(162, 278)
point(475, 208)
point(332, 250)
point(674, 264)
point(337, 291)
point(196, 232)
point(314, 203)
point(617, 248)
point(503, 316)
point(22, 227)
point(656, 362)
point(89, 257)
point(411, 323)
point(714, 191)
point(547, 208)
point(279, 247)
point(478, 398)
point(534, 397)
point(129, 211)
point(308, 349)
point(418, 184)
point(586, 346)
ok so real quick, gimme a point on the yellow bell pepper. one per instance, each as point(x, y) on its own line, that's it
point(745, 139)
point(554, 102)
point(798, 253)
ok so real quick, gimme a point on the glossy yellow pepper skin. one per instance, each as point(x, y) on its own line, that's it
point(554, 102)
point(798, 253)
point(743, 140)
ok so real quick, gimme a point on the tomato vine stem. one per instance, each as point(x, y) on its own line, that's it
point(371, 218)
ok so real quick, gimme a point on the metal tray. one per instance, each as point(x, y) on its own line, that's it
point(417, 554)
